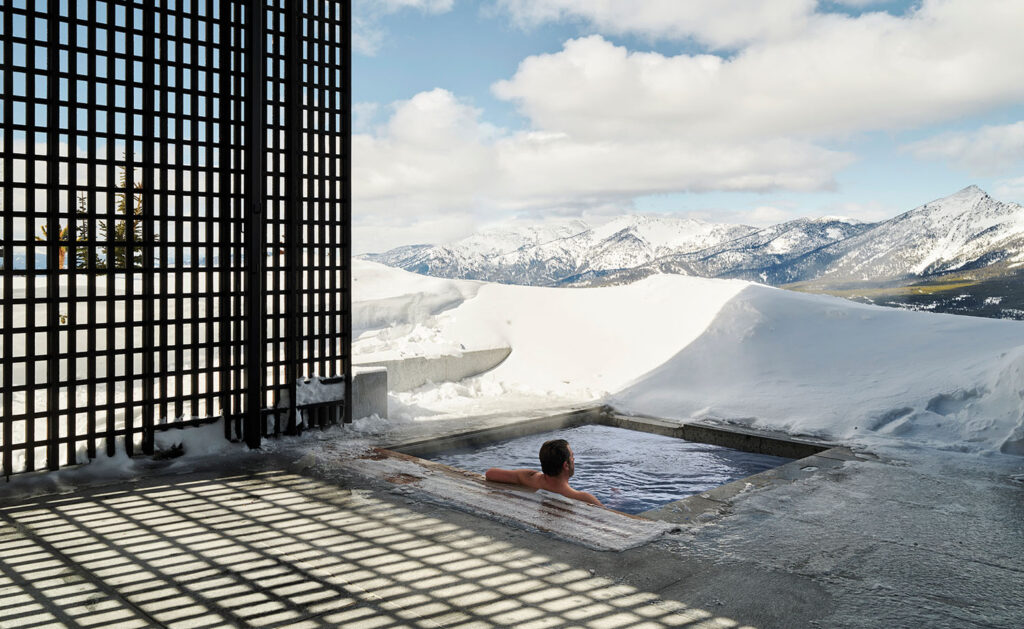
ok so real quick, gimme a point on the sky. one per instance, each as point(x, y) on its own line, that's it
point(469, 114)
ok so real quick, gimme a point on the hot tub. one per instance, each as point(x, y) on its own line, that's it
point(628, 470)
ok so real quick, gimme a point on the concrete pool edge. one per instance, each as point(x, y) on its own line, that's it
point(745, 439)
point(810, 454)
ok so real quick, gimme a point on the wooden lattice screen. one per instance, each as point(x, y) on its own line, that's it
point(175, 219)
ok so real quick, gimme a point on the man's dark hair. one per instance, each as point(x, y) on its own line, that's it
point(553, 454)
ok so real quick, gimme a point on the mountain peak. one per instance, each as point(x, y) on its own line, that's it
point(960, 204)
point(970, 191)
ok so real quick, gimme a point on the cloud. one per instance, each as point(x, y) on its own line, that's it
point(379, 232)
point(607, 124)
point(364, 116)
point(1010, 189)
point(787, 208)
point(716, 23)
point(868, 212)
point(435, 156)
point(367, 33)
point(835, 76)
point(861, 3)
point(765, 215)
point(427, 6)
point(990, 150)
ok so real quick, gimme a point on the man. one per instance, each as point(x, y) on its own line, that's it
point(558, 465)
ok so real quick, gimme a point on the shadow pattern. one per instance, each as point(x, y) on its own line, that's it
point(282, 550)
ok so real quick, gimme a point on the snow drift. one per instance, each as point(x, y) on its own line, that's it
point(700, 349)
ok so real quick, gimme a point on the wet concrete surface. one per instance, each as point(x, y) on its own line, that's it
point(909, 539)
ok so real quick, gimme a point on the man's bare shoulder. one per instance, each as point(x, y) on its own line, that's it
point(534, 479)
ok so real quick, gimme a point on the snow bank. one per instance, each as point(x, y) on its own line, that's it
point(569, 346)
point(195, 441)
point(692, 348)
point(393, 312)
point(820, 365)
point(382, 295)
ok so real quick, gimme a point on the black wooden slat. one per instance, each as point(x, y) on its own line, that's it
point(51, 98)
point(32, 213)
point(346, 197)
point(10, 362)
point(294, 135)
point(71, 195)
point(255, 190)
point(148, 234)
point(222, 199)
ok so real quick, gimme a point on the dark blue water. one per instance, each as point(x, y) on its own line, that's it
point(627, 470)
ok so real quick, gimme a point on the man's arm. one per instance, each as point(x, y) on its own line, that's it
point(584, 496)
point(513, 477)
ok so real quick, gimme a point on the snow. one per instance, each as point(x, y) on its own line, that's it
point(196, 441)
point(568, 345)
point(403, 306)
point(734, 352)
point(863, 374)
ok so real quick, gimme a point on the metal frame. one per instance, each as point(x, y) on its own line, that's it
point(190, 161)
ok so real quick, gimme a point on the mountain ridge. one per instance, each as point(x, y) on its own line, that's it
point(967, 230)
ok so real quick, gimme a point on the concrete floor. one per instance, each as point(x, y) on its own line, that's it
point(928, 540)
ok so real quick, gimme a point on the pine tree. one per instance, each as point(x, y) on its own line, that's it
point(61, 235)
point(121, 226)
point(117, 255)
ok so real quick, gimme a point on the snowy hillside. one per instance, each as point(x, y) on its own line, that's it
point(724, 350)
point(762, 255)
point(561, 250)
point(966, 229)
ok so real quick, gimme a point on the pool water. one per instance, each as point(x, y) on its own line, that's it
point(627, 470)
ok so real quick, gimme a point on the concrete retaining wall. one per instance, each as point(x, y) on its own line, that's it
point(409, 373)
point(369, 392)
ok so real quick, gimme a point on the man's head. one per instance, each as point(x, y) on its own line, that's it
point(555, 456)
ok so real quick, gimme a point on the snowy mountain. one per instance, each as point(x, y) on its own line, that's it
point(484, 255)
point(622, 250)
point(967, 241)
point(966, 230)
point(624, 242)
point(762, 255)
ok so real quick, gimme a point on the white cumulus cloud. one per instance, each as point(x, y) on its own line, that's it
point(990, 150)
point(606, 124)
point(1011, 189)
point(435, 156)
point(844, 75)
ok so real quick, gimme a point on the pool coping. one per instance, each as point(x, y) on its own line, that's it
point(810, 454)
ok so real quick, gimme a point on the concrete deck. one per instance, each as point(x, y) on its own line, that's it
point(287, 538)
